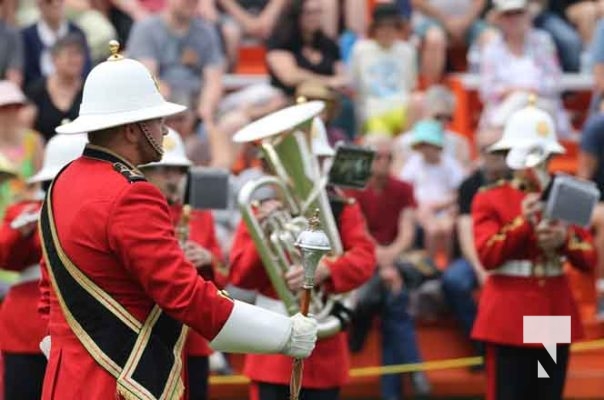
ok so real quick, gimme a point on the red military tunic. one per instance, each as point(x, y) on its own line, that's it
point(21, 327)
point(328, 365)
point(120, 234)
point(201, 231)
point(501, 234)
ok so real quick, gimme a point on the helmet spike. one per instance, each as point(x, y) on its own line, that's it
point(114, 48)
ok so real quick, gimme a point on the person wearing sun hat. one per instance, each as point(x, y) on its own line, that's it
point(116, 286)
point(435, 177)
point(21, 146)
point(21, 328)
point(523, 255)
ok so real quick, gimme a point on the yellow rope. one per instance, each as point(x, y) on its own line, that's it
point(405, 368)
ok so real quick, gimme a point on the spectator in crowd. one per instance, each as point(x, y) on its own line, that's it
point(22, 147)
point(254, 19)
point(550, 17)
point(389, 209)
point(440, 22)
point(591, 166)
point(520, 61)
point(439, 104)
point(39, 38)
point(11, 54)
point(435, 177)
point(299, 51)
point(58, 96)
point(384, 71)
point(184, 52)
point(584, 14)
point(466, 273)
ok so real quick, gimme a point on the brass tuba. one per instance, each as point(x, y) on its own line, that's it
point(285, 142)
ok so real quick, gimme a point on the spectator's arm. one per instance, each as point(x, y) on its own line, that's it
point(406, 232)
point(587, 165)
point(356, 16)
point(211, 94)
point(590, 148)
point(466, 242)
point(598, 57)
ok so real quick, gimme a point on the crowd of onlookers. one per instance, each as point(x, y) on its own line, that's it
point(379, 67)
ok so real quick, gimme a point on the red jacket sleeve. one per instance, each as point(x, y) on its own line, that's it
point(18, 252)
point(247, 270)
point(141, 234)
point(497, 242)
point(358, 262)
point(579, 249)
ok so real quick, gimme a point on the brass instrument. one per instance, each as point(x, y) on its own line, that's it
point(182, 229)
point(285, 142)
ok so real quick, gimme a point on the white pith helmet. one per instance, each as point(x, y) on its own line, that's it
point(174, 152)
point(119, 91)
point(529, 127)
point(60, 150)
point(319, 143)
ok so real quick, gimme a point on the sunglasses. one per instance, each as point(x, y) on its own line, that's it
point(443, 117)
point(513, 13)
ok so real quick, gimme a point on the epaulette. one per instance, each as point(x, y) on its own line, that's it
point(493, 185)
point(335, 198)
point(128, 173)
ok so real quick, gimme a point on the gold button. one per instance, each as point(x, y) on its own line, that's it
point(539, 271)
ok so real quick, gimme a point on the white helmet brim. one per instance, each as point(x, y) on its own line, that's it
point(96, 122)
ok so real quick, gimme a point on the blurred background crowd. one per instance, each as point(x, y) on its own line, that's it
point(382, 68)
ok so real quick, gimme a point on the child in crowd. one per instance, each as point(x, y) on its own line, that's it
point(384, 70)
point(435, 177)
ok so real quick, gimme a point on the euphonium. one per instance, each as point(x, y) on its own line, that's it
point(285, 142)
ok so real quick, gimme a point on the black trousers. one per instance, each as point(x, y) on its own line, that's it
point(512, 373)
point(197, 377)
point(268, 391)
point(23, 376)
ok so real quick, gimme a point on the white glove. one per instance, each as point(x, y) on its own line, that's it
point(303, 337)
point(45, 346)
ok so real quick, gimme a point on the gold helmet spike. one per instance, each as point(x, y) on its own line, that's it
point(114, 48)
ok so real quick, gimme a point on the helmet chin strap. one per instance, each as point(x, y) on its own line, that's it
point(154, 145)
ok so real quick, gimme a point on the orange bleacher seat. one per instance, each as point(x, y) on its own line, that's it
point(252, 60)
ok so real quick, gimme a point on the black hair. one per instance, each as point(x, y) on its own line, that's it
point(287, 32)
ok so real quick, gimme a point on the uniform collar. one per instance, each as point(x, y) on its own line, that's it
point(104, 154)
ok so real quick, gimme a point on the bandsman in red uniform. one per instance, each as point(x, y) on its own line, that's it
point(196, 235)
point(21, 327)
point(326, 370)
point(524, 255)
point(116, 284)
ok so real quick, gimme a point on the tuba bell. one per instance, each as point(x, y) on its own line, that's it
point(284, 138)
